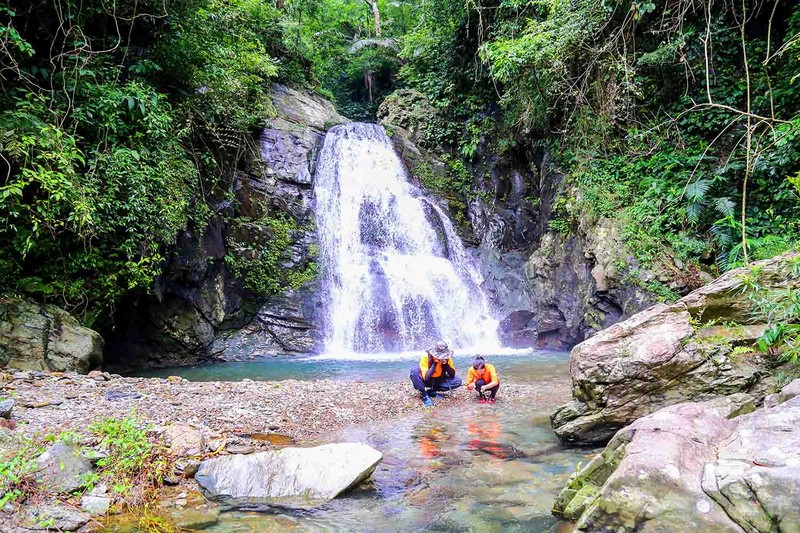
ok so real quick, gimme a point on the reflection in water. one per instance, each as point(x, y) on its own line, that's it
point(471, 467)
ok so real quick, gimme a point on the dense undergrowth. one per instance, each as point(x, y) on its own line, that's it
point(680, 118)
point(122, 122)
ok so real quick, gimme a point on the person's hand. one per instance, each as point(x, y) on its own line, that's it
point(470, 386)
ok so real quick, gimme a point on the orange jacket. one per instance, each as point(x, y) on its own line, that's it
point(487, 374)
point(423, 366)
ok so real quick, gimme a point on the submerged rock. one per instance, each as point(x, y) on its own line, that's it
point(290, 477)
point(669, 354)
point(689, 467)
point(44, 337)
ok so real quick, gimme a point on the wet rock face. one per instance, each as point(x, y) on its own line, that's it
point(667, 355)
point(692, 467)
point(201, 312)
point(290, 477)
point(549, 290)
point(43, 337)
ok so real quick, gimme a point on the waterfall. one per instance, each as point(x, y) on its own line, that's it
point(395, 275)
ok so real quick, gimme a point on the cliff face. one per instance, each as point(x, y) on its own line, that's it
point(552, 286)
point(213, 301)
point(216, 301)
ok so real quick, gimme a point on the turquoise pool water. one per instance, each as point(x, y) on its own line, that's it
point(525, 366)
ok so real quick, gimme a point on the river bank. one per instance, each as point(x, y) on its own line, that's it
point(201, 419)
point(305, 411)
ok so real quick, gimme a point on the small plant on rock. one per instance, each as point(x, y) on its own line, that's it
point(134, 467)
point(17, 480)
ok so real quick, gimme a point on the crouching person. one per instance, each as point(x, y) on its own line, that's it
point(483, 378)
point(436, 372)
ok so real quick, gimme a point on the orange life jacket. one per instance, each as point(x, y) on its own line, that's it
point(487, 374)
point(424, 365)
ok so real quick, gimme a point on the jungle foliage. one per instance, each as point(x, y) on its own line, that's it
point(122, 122)
point(680, 118)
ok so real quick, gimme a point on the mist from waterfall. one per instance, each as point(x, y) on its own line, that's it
point(395, 275)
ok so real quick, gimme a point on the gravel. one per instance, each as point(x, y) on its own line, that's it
point(306, 411)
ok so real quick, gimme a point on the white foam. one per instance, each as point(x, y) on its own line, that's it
point(394, 273)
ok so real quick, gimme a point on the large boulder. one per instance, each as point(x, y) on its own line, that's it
point(690, 467)
point(289, 477)
point(43, 337)
point(670, 354)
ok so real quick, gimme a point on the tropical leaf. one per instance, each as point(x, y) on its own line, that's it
point(696, 192)
point(693, 212)
point(724, 206)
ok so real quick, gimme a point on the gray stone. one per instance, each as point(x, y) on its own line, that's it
point(54, 517)
point(664, 356)
point(688, 467)
point(10, 444)
point(186, 468)
point(96, 505)
point(5, 408)
point(62, 468)
point(118, 395)
point(289, 477)
point(44, 337)
point(304, 108)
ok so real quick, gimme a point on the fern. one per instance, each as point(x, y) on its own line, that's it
point(359, 45)
point(696, 192)
point(724, 206)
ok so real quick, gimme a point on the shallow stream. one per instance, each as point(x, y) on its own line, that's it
point(470, 467)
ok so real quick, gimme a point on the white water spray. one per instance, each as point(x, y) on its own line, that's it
point(395, 274)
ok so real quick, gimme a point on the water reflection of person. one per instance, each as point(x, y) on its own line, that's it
point(486, 437)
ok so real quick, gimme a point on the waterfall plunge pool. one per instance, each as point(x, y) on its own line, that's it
point(468, 467)
point(519, 366)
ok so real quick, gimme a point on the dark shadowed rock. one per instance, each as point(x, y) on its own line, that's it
point(289, 477)
point(201, 311)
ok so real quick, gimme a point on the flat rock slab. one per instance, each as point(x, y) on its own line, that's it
point(290, 477)
point(54, 516)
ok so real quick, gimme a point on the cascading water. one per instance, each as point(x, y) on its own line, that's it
point(395, 274)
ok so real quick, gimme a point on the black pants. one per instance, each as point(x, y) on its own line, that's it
point(493, 391)
point(442, 383)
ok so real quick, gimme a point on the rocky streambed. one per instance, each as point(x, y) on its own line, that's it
point(203, 423)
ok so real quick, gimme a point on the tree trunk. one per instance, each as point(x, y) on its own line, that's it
point(375, 13)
